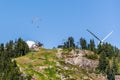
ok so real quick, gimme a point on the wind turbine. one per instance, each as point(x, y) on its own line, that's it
point(100, 41)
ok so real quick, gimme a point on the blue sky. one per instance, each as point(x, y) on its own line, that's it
point(59, 20)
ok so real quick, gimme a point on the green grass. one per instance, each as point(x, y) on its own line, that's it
point(32, 62)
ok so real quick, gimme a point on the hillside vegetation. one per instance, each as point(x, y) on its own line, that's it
point(68, 62)
point(44, 64)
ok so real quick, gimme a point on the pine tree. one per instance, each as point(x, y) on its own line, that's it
point(1, 47)
point(91, 45)
point(114, 65)
point(39, 44)
point(103, 62)
point(108, 48)
point(9, 69)
point(69, 43)
point(110, 73)
point(99, 49)
point(83, 43)
point(10, 48)
point(21, 47)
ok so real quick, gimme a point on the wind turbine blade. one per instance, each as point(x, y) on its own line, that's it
point(107, 36)
point(94, 35)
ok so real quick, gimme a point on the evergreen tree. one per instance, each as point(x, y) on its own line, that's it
point(69, 43)
point(114, 65)
point(116, 51)
point(107, 48)
point(99, 49)
point(21, 47)
point(103, 62)
point(10, 48)
point(9, 69)
point(110, 73)
point(39, 44)
point(83, 43)
point(1, 47)
point(91, 45)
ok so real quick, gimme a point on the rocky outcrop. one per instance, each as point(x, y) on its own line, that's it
point(59, 53)
point(81, 53)
point(83, 62)
point(78, 59)
point(117, 77)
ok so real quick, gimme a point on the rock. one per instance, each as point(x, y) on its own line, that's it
point(43, 67)
point(117, 77)
point(83, 63)
point(79, 52)
point(59, 52)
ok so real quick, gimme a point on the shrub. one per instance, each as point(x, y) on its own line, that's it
point(91, 56)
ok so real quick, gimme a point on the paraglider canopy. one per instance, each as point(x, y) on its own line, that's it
point(35, 22)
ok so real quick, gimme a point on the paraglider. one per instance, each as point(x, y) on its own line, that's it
point(35, 22)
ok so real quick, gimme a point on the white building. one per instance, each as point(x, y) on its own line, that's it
point(31, 44)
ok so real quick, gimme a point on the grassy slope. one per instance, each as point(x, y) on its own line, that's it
point(44, 65)
point(30, 64)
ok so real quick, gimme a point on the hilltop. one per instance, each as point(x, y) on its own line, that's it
point(69, 61)
point(58, 64)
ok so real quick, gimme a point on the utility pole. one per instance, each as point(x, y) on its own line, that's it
point(69, 43)
point(78, 44)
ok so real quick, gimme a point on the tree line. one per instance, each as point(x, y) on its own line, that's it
point(8, 68)
point(109, 55)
